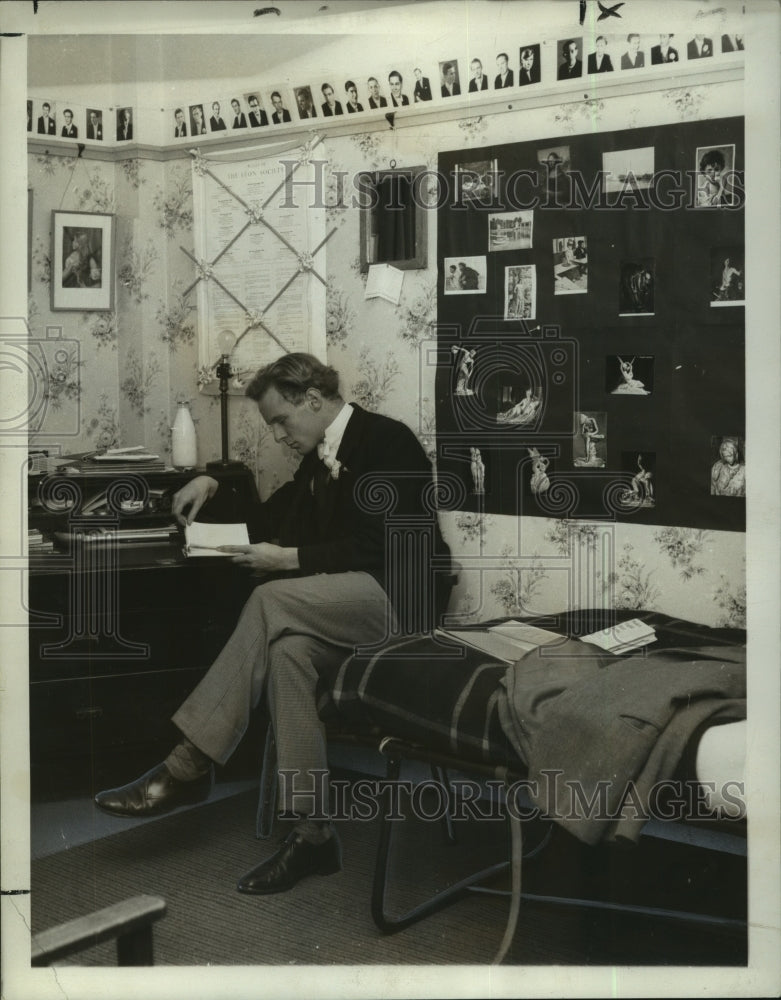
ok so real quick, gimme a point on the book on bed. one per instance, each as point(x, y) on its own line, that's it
point(506, 641)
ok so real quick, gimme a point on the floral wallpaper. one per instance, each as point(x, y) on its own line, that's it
point(118, 376)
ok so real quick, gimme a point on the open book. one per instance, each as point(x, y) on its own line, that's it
point(202, 539)
point(507, 641)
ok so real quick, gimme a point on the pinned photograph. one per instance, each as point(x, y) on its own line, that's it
point(449, 80)
point(589, 446)
point(715, 166)
point(281, 114)
point(629, 376)
point(505, 77)
point(570, 265)
point(728, 276)
point(422, 89)
point(636, 287)
point(641, 466)
point(520, 292)
point(197, 120)
point(464, 362)
point(525, 411)
point(728, 472)
point(477, 470)
point(478, 81)
point(699, 47)
point(70, 130)
point(464, 275)
point(539, 481)
point(376, 98)
point(529, 71)
point(477, 180)
point(570, 59)
point(633, 56)
point(47, 122)
point(180, 125)
point(732, 43)
point(256, 116)
point(124, 124)
point(628, 169)
point(352, 103)
point(599, 60)
point(330, 107)
point(554, 163)
point(305, 102)
point(510, 231)
point(95, 124)
point(664, 52)
point(238, 118)
point(216, 121)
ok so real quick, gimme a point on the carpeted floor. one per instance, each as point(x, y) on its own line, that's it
point(194, 858)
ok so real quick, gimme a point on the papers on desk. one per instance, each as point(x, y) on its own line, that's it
point(623, 638)
point(107, 535)
point(507, 641)
point(203, 539)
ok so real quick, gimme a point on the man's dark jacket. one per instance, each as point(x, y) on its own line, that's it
point(379, 504)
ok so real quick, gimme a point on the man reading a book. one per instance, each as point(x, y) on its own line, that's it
point(324, 540)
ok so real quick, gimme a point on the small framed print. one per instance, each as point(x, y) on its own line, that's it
point(82, 261)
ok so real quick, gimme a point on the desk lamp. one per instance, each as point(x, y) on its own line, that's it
point(226, 341)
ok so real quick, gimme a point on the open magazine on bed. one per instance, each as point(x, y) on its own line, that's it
point(505, 641)
point(508, 641)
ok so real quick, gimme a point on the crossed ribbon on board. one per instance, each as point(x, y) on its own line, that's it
point(255, 216)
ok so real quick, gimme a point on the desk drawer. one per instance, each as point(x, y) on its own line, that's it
point(83, 717)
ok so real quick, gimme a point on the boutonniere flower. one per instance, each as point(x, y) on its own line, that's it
point(672, 57)
point(334, 466)
point(706, 50)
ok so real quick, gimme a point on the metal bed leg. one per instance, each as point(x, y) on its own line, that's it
point(391, 924)
point(440, 775)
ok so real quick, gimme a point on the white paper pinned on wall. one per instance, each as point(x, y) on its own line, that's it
point(384, 282)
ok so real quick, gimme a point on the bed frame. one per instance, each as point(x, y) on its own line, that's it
point(377, 731)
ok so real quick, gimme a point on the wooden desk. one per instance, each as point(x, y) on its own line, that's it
point(119, 634)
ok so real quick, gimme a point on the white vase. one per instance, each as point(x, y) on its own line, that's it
point(184, 445)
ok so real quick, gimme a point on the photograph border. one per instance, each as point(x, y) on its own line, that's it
point(83, 299)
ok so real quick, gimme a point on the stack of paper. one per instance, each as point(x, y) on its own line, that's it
point(623, 638)
point(384, 282)
point(507, 641)
point(135, 457)
point(37, 542)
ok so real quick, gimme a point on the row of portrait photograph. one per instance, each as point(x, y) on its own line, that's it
point(532, 63)
point(624, 172)
point(567, 268)
point(724, 466)
point(74, 121)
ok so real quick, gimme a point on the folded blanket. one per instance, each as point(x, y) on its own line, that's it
point(599, 732)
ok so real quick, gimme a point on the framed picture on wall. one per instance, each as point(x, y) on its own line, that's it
point(82, 261)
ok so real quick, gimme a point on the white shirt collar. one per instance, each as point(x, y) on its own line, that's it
point(334, 432)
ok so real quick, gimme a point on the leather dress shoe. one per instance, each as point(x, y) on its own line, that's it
point(155, 793)
point(296, 859)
